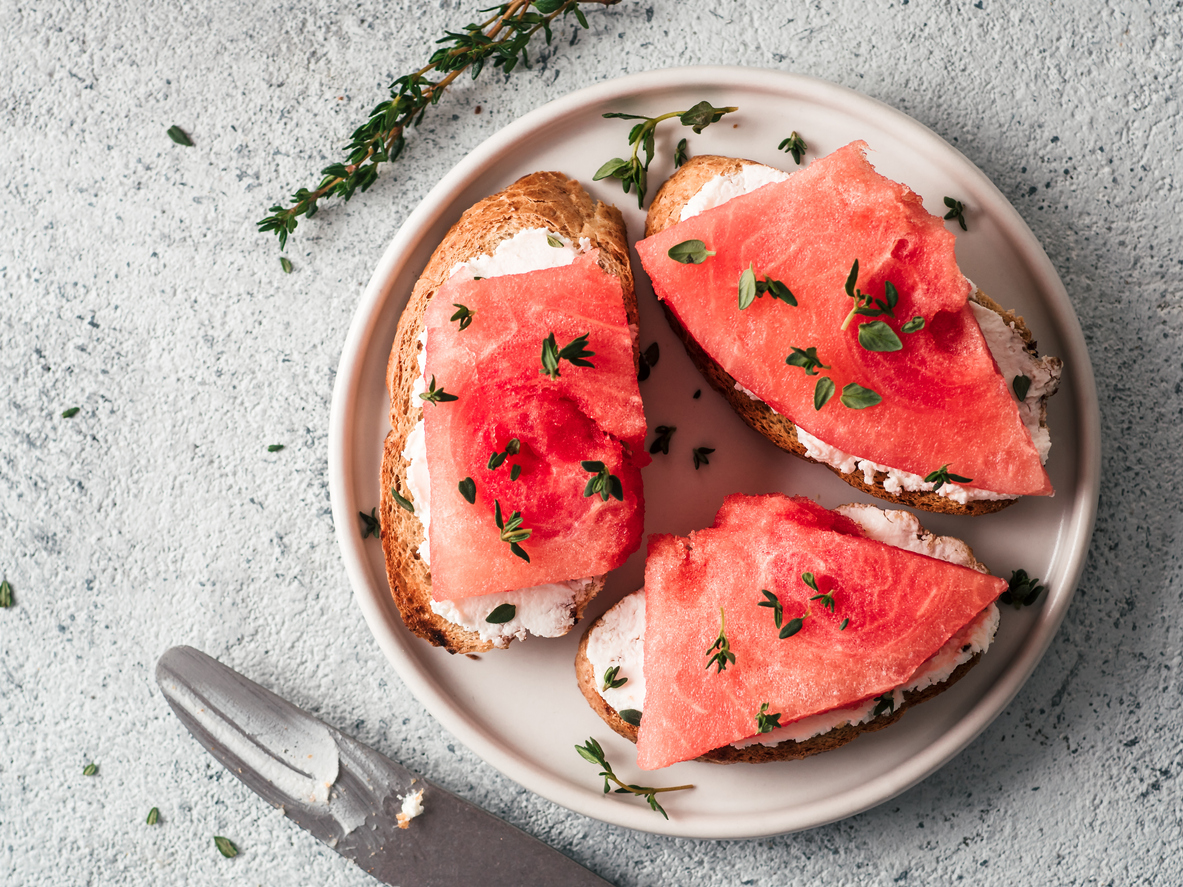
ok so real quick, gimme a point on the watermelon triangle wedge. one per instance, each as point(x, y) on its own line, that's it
point(891, 610)
point(941, 398)
point(492, 371)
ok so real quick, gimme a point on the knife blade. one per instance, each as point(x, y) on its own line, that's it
point(348, 795)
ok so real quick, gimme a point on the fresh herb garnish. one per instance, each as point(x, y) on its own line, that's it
point(690, 252)
point(512, 531)
point(822, 392)
point(71, 412)
point(225, 846)
point(501, 614)
point(371, 526)
point(274, 448)
point(90, 769)
point(153, 816)
point(630, 716)
point(845, 622)
point(467, 489)
point(1021, 384)
point(794, 145)
point(751, 289)
point(772, 601)
point(5, 594)
point(611, 681)
point(436, 395)
point(178, 135)
point(632, 171)
point(402, 500)
point(878, 336)
point(500, 41)
point(866, 305)
point(649, 358)
point(462, 314)
point(1022, 590)
point(662, 441)
point(591, 752)
point(720, 648)
point(915, 325)
point(515, 472)
point(884, 704)
point(767, 721)
point(826, 599)
point(941, 476)
point(286, 264)
point(793, 626)
point(574, 352)
point(856, 397)
point(552, 240)
point(511, 449)
point(956, 211)
point(700, 456)
point(602, 482)
point(680, 154)
point(807, 359)
point(697, 393)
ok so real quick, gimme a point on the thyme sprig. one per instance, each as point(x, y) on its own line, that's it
point(371, 526)
point(500, 40)
point(591, 752)
point(751, 289)
point(1022, 591)
point(956, 211)
point(807, 359)
point(884, 704)
point(700, 455)
point(611, 681)
point(794, 145)
point(649, 358)
point(574, 352)
point(436, 395)
point(631, 171)
point(602, 482)
point(512, 530)
point(827, 598)
point(772, 601)
point(511, 449)
point(662, 441)
point(941, 476)
point(721, 648)
point(767, 721)
point(462, 314)
point(866, 305)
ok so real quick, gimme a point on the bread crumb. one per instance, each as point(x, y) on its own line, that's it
point(412, 807)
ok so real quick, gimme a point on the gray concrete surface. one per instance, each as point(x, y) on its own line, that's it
point(133, 285)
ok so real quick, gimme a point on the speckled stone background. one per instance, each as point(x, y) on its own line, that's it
point(133, 285)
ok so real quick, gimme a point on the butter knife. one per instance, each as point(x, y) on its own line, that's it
point(348, 795)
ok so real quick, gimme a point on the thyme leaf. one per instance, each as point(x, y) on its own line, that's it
point(402, 500)
point(772, 601)
point(767, 721)
point(591, 752)
point(179, 136)
point(822, 392)
point(371, 526)
point(153, 816)
point(793, 626)
point(720, 648)
point(574, 352)
point(915, 325)
point(602, 482)
point(941, 476)
point(552, 240)
point(690, 252)
point(956, 211)
point(856, 397)
point(630, 716)
point(274, 448)
point(436, 395)
point(225, 846)
point(700, 456)
point(649, 358)
point(878, 336)
point(5, 594)
point(512, 531)
point(462, 314)
point(467, 489)
point(71, 412)
point(680, 154)
point(747, 287)
point(794, 145)
point(501, 614)
point(632, 171)
point(662, 441)
point(611, 681)
point(286, 264)
point(1021, 385)
point(500, 41)
point(90, 769)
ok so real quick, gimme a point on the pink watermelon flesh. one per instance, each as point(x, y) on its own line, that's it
point(902, 608)
point(593, 414)
point(944, 400)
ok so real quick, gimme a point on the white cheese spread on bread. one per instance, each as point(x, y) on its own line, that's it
point(618, 640)
point(1004, 341)
point(544, 610)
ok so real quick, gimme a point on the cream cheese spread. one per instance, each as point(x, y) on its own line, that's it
point(544, 610)
point(1004, 341)
point(618, 640)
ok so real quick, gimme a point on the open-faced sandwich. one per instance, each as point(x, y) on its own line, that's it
point(511, 474)
point(785, 630)
point(828, 308)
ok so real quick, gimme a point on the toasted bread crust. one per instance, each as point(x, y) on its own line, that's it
point(666, 211)
point(541, 200)
point(759, 754)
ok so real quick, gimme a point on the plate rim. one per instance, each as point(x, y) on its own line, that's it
point(427, 690)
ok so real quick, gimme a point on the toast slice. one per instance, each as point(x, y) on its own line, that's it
point(547, 200)
point(893, 527)
point(665, 211)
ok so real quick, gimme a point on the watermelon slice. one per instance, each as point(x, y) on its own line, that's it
point(587, 414)
point(944, 401)
point(902, 607)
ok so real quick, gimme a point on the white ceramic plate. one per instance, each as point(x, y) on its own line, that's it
point(520, 709)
